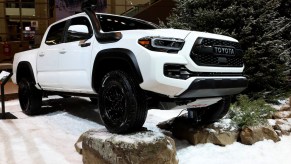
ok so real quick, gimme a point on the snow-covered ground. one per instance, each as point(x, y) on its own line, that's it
point(50, 137)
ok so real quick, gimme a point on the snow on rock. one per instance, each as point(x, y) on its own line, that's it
point(219, 133)
point(272, 122)
point(225, 125)
point(282, 114)
point(141, 147)
point(283, 126)
point(283, 105)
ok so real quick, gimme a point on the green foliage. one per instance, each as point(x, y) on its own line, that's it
point(263, 27)
point(250, 113)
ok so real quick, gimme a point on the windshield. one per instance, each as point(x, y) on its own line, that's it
point(116, 23)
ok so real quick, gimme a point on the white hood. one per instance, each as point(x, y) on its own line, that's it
point(173, 33)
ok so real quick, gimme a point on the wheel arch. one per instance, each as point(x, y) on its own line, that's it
point(24, 69)
point(112, 59)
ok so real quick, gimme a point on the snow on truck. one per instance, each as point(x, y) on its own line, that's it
point(130, 66)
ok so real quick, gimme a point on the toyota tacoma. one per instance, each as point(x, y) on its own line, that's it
point(130, 66)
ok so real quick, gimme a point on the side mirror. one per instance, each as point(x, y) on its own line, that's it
point(78, 29)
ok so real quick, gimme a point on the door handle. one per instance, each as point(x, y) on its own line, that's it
point(41, 54)
point(62, 51)
point(85, 44)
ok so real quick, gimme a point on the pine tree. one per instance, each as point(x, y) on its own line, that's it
point(263, 27)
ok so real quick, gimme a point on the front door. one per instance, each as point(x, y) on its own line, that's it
point(48, 57)
point(75, 60)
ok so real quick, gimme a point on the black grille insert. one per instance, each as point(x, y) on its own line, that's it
point(203, 53)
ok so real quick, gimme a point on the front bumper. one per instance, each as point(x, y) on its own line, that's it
point(214, 87)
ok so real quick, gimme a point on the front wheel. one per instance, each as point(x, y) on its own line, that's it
point(122, 103)
point(30, 98)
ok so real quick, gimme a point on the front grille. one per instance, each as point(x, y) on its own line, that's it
point(203, 54)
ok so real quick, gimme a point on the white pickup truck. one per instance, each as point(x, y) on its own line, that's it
point(130, 65)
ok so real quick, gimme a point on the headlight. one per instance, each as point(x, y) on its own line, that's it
point(170, 45)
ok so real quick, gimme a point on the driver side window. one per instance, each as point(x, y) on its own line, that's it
point(55, 34)
point(79, 29)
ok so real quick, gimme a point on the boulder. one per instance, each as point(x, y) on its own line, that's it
point(166, 125)
point(146, 147)
point(285, 108)
point(221, 133)
point(282, 114)
point(252, 134)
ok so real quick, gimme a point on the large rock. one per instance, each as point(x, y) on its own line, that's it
point(253, 134)
point(285, 108)
point(282, 114)
point(220, 133)
point(147, 147)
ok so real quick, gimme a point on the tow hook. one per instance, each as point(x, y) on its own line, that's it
point(193, 115)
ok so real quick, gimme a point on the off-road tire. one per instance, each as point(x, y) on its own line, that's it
point(122, 103)
point(30, 98)
point(216, 111)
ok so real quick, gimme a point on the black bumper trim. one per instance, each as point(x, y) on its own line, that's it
point(214, 87)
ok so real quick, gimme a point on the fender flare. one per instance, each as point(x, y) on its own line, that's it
point(24, 69)
point(115, 54)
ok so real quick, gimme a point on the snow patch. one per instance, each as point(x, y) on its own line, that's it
point(68, 128)
point(225, 125)
point(282, 102)
point(145, 137)
point(284, 114)
point(210, 130)
point(285, 127)
point(272, 122)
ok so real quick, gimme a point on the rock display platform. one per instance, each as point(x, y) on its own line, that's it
point(145, 147)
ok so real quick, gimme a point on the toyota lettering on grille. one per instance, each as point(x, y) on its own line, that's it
point(224, 50)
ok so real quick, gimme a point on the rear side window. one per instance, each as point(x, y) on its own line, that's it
point(55, 34)
point(79, 29)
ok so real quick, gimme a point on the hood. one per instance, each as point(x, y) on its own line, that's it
point(182, 34)
point(211, 35)
point(173, 33)
point(170, 33)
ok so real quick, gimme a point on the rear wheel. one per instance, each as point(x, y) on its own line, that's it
point(122, 103)
point(30, 98)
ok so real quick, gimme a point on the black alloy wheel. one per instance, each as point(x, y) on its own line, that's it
point(30, 98)
point(121, 103)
